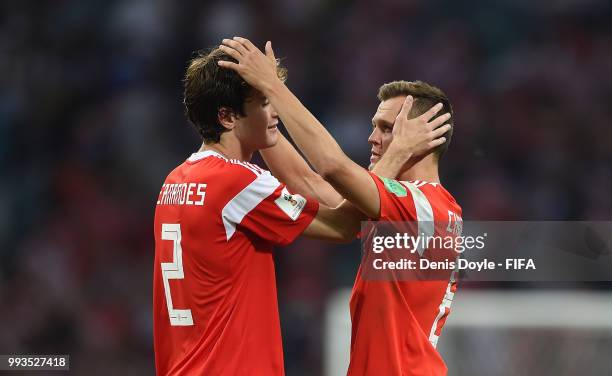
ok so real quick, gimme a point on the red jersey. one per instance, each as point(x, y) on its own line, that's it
point(215, 307)
point(396, 324)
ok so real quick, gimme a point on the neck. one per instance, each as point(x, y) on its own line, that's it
point(426, 170)
point(230, 148)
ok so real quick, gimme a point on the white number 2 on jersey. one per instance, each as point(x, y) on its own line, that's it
point(174, 270)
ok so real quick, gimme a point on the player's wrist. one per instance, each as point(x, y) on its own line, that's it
point(400, 154)
point(272, 87)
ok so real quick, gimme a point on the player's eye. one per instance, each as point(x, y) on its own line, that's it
point(387, 130)
point(266, 102)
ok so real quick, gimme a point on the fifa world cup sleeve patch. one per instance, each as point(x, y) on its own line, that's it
point(394, 187)
point(290, 204)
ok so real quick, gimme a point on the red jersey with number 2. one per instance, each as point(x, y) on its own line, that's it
point(215, 307)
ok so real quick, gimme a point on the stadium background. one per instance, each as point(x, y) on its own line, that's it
point(91, 121)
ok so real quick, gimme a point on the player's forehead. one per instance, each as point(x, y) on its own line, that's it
point(255, 96)
point(388, 109)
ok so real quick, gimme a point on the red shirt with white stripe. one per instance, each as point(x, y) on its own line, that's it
point(396, 324)
point(214, 291)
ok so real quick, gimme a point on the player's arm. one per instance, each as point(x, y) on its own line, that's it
point(340, 224)
point(319, 147)
point(289, 167)
point(265, 207)
point(348, 179)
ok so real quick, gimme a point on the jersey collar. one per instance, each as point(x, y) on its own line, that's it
point(203, 154)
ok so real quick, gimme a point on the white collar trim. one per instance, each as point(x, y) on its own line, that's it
point(203, 154)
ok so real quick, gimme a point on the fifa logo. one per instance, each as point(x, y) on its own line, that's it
point(290, 198)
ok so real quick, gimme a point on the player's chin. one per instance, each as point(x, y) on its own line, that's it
point(371, 166)
point(271, 138)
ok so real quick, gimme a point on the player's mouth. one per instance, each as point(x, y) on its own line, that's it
point(374, 157)
point(272, 127)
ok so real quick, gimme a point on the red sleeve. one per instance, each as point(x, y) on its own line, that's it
point(266, 208)
point(282, 216)
point(396, 202)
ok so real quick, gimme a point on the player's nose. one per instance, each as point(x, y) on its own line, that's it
point(374, 137)
point(274, 113)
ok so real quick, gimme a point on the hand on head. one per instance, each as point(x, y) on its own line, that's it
point(257, 69)
point(419, 136)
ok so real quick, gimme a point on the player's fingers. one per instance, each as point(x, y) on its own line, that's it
point(406, 107)
point(270, 51)
point(431, 112)
point(440, 131)
point(235, 45)
point(228, 64)
point(437, 142)
point(435, 123)
point(231, 51)
point(246, 43)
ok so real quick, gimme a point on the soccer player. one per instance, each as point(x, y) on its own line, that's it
point(216, 219)
point(395, 324)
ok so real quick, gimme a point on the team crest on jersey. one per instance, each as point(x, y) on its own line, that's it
point(395, 187)
point(292, 205)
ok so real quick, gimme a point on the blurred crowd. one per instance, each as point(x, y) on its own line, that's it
point(91, 121)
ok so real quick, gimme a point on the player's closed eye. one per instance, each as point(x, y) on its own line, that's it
point(383, 128)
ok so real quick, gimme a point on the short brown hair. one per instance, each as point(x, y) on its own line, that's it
point(208, 88)
point(425, 96)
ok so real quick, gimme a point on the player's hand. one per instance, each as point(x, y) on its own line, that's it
point(257, 69)
point(418, 136)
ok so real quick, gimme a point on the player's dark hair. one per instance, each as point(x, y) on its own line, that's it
point(425, 96)
point(208, 89)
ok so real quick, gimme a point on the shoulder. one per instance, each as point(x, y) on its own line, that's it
point(249, 175)
point(230, 171)
point(430, 191)
point(433, 195)
point(247, 168)
point(416, 198)
point(245, 184)
point(249, 186)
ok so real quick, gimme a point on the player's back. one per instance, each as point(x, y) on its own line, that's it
point(214, 305)
point(396, 323)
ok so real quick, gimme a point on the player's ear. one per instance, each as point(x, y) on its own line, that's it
point(227, 117)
